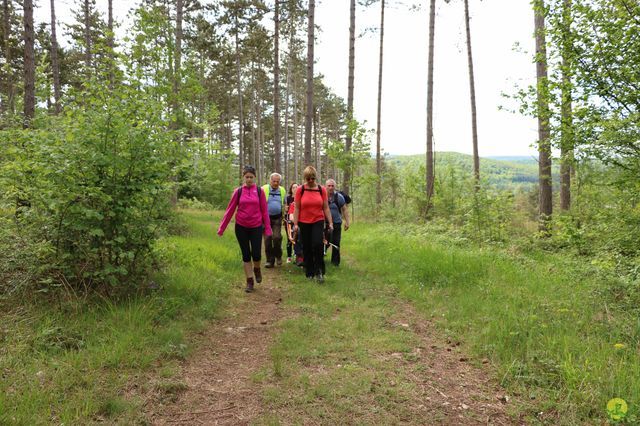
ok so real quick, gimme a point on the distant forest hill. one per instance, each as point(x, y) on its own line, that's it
point(513, 172)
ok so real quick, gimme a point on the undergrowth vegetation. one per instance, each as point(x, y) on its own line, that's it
point(72, 361)
point(564, 334)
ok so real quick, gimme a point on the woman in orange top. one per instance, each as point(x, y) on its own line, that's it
point(311, 212)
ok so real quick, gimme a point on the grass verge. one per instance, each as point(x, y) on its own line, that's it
point(74, 363)
point(562, 336)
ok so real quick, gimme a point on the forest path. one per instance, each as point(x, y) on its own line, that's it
point(349, 351)
point(215, 381)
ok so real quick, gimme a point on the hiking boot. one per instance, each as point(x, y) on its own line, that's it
point(279, 261)
point(288, 260)
point(268, 265)
point(249, 287)
point(258, 273)
point(320, 278)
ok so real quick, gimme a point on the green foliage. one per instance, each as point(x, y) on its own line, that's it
point(563, 334)
point(75, 362)
point(91, 187)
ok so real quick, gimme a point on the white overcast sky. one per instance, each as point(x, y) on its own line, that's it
point(496, 26)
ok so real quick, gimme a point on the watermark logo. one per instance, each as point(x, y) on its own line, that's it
point(617, 409)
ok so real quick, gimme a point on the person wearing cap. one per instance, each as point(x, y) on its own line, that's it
point(311, 212)
point(276, 197)
point(252, 220)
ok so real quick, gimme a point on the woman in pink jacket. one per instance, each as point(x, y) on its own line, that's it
point(252, 220)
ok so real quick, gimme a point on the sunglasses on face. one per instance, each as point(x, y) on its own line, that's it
point(309, 179)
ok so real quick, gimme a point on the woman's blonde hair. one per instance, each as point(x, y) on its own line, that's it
point(309, 172)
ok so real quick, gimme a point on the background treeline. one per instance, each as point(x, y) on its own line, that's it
point(582, 194)
point(102, 135)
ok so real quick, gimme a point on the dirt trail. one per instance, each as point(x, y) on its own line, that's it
point(453, 391)
point(219, 389)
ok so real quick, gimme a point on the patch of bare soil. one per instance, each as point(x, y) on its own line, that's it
point(452, 390)
point(215, 386)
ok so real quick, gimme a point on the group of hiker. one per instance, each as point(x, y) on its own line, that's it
point(313, 216)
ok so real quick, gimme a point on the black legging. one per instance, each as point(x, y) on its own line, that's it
point(250, 240)
point(312, 248)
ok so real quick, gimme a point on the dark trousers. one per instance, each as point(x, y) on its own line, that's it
point(312, 247)
point(250, 240)
point(273, 243)
point(294, 248)
point(336, 235)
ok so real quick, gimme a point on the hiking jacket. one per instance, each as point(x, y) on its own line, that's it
point(252, 210)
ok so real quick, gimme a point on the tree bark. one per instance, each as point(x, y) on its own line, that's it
point(472, 97)
point(240, 110)
point(567, 142)
point(430, 171)
point(29, 65)
point(87, 37)
point(296, 153)
point(352, 55)
point(318, 159)
point(177, 68)
point(286, 114)
point(378, 129)
point(308, 119)
point(10, 103)
point(544, 142)
point(276, 90)
point(110, 44)
point(55, 66)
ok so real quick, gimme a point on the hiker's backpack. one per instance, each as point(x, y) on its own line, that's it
point(347, 199)
point(283, 194)
point(320, 190)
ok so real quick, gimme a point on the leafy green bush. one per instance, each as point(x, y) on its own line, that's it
point(90, 189)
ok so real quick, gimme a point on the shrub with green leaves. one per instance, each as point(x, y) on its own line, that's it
point(90, 186)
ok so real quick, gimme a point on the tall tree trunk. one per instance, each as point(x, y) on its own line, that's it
point(566, 144)
point(352, 55)
point(544, 142)
point(111, 43)
point(10, 104)
point(55, 66)
point(308, 119)
point(252, 121)
point(296, 153)
point(472, 95)
point(318, 160)
point(87, 37)
point(378, 128)
point(260, 153)
point(276, 90)
point(177, 68)
point(286, 118)
point(240, 110)
point(29, 65)
point(175, 102)
point(430, 171)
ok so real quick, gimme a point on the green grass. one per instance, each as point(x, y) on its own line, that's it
point(548, 323)
point(330, 363)
point(72, 363)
